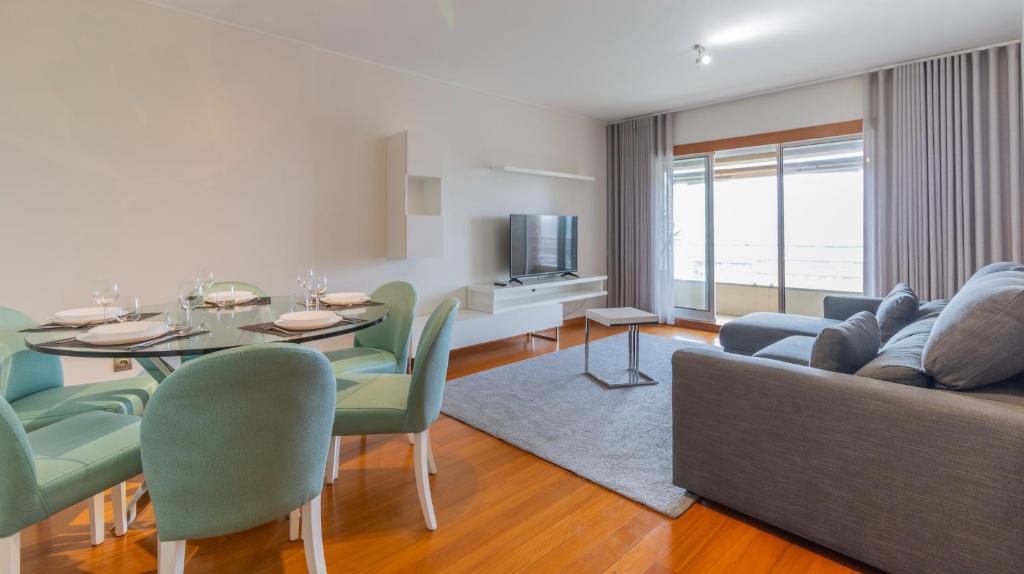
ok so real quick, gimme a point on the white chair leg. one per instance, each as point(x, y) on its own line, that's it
point(170, 557)
point(333, 459)
point(411, 437)
point(10, 554)
point(431, 463)
point(118, 500)
point(294, 524)
point(96, 519)
point(313, 537)
point(419, 464)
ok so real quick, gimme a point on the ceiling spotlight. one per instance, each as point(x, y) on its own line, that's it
point(703, 59)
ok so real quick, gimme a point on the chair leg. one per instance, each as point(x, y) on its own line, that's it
point(313, 537)
point(295, 524)
point(170, 557)
point(333, 456)
point(118, 500)
point(431, 463)
point(419, 465)
point(97, 518)
point(10, 554)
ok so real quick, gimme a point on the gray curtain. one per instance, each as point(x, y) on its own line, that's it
point(640, 239)
point(943, 170)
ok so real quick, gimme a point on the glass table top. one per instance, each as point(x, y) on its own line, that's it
point(223, 324)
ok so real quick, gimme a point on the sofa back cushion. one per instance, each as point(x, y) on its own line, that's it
point(848, 346)
point(997, 267)
point(900, 360)
point(977, 340)
point(897, 310)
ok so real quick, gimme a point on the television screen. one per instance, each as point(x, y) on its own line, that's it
point(542, 244)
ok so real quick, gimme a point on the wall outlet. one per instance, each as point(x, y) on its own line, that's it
point(122, 365)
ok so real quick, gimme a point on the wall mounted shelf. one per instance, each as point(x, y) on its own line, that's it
point(543, 172)
point(415, 222)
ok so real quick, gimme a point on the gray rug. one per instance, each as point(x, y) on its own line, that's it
point(618, 438)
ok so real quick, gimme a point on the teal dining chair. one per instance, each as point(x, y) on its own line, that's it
point(33, 383)
point(219, 286)
point(52, 468)
point(370, 403)
point(383, 348)
point(236, 439)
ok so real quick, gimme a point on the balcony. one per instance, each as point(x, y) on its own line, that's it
point(736, 300)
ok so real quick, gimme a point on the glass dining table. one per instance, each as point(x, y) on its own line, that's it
point(225, 331)
point(225, 326)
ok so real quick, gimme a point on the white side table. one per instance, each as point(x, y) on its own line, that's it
point(617, 317)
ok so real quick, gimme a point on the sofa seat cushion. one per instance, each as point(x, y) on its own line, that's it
point(84, 454)
point(795, 349)
point(123, 396)
point(848, 346)
point(751, 333)
point(976, 340)
point(900, 359)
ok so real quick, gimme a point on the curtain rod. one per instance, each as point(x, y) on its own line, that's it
point(819, 81)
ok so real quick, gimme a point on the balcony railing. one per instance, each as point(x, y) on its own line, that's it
point(735, 300)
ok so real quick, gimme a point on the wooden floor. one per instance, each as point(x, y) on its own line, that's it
point(499, 510)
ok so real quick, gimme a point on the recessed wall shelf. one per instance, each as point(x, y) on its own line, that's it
point(415, 222)
point(544, 172)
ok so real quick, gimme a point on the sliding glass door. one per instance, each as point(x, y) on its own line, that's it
point(694, 275)
point(768, 228)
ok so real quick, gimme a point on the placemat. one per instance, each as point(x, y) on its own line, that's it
point(257, 301)
point(77, 343)
point(325, 305)
point(42, 329)
point(271, 329)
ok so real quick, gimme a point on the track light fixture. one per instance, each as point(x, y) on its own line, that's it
point(703, 59)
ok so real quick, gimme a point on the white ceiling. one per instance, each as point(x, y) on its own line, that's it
point(610, 59)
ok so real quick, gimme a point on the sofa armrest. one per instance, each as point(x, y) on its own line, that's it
point(842, 307)
point(903, 478)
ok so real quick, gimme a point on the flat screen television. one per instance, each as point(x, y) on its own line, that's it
point(542, 245)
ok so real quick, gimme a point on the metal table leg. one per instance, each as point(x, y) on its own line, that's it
point(159, 369)
point(634, 376)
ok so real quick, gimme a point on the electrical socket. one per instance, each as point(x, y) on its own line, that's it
point(122, 365)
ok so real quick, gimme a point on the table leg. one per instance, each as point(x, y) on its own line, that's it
point(586, 344)
point(157, 367)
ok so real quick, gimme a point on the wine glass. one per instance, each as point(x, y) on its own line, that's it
point(225, 298)
point(104, 293)
point(206, 278)
point(320, 286)
point(190, 296)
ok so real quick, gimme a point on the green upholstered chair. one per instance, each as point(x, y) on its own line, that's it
point(236, 439)
point(383, 348)
point(398, 403)
point(47, 470)
point(219, 286)
point(33, 383)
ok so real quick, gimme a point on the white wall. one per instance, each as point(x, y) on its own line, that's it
point(824, 103)
point(145, 144)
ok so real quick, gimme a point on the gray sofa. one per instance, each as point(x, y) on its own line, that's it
point(903, 478)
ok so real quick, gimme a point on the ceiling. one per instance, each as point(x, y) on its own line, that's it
point(610, 59)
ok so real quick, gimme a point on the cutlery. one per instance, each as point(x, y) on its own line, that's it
point(166, 339)
point(274, 327)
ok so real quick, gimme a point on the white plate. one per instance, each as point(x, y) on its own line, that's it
point(85, 315)
point(226, 296)
point(346, 298)
point(124, 333)
point(307, 320)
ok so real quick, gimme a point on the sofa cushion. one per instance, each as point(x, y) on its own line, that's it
point(751, 333)
point(930, 309)
point(897, 310)
point(848, 346)
point(795, 349)
point(900, 359)
point(997, 267)
point(977, 340)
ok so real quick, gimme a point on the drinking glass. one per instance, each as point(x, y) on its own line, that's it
point(132, 310)
point(190, 296)
point(206, 278)
point(225, 298)
point(104, 293)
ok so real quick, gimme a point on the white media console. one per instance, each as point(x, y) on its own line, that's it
point(495, 312)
